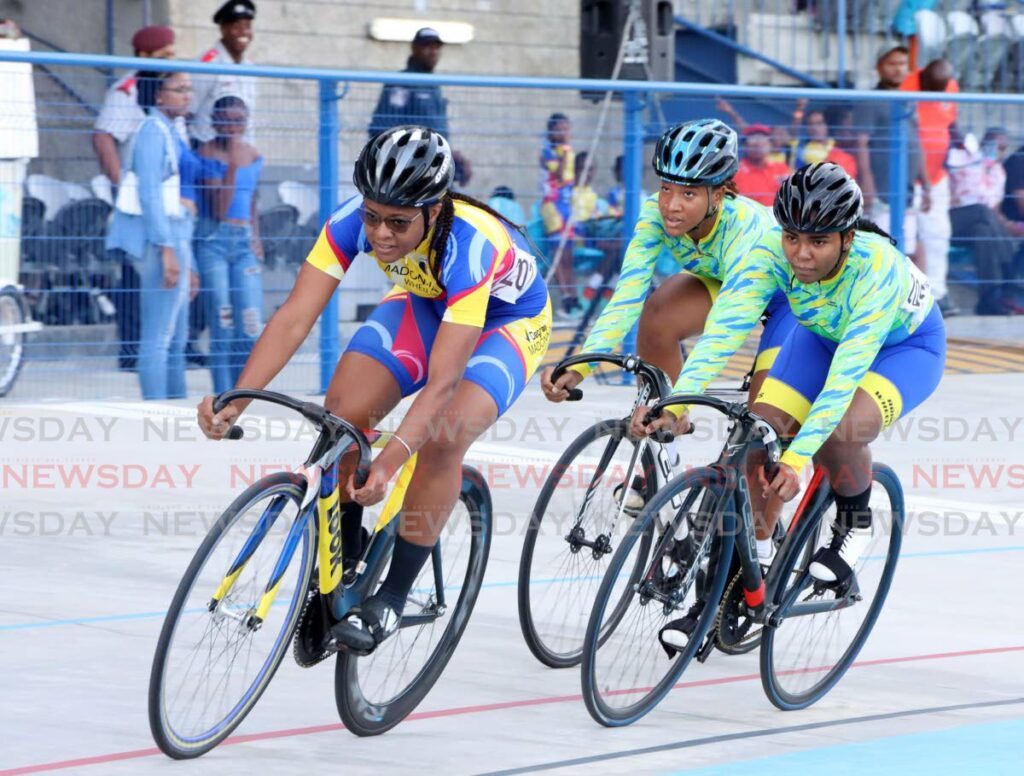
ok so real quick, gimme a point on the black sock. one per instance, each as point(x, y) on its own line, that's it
point(853, 511)
point(352, 529)
point(406, 563)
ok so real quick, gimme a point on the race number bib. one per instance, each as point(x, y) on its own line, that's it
point(520, 276)
point(917, 298)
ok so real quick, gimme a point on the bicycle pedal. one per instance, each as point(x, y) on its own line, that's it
point(706, 648)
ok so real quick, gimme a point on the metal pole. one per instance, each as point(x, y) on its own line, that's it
point(841, 35)
point(898, 174)
point(632, 173)
point(110, 27)
point(146, 13)
point(329, 340)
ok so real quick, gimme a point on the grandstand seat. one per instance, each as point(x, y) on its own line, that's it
point(102, 188)
point(931, 35)
point(992, 50)
point(54, 193)
point(1015, 61)
point(961, 42)
point(277, 227)
point(303, 197)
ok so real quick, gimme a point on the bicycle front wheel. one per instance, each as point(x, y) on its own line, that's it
point(216, 654)
point(12, 342)
point(627, 672)
point(818, 631)
point(575, 526)
point(377, 691)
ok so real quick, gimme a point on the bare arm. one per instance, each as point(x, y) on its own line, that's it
point(105, 146)
point(287, 328)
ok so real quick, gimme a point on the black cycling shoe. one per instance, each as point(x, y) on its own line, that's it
point(366, 626)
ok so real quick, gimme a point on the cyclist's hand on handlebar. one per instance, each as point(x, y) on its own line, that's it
point(375, 487)
point(785, 484)
point(667, 420)
point(216, 426)
point(558, 390)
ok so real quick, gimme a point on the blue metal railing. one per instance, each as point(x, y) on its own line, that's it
point(636, 97)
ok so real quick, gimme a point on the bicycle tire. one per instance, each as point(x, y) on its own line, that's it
point(720, 549)
point(12, 311)
point(366, 718)
point(546, 652)
point(784, 597)
point(172, 743)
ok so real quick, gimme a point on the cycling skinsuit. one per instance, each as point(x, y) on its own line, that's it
point(487, 278)
point(741, 226)
point(873, 326)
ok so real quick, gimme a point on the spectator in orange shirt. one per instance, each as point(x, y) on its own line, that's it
point(934, 120)
point(757, 178)
point(821, 146)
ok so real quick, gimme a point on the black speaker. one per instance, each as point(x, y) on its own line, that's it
point(602, 28)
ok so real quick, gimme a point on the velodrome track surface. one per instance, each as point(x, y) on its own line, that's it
point(88, 564)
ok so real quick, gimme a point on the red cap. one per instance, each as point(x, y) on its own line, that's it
point(757, 129)
point(150, 39)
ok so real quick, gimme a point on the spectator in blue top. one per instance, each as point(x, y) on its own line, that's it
point(228, 248)
point(420, 105)
point(157, 235)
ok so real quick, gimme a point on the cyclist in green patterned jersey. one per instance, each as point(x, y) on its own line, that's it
point(712, 233)
point(870, 347)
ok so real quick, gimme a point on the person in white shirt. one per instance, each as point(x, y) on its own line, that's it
point(119, 119)
point(235, 19)
point(121, 115)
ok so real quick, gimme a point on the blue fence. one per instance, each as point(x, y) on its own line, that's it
point(310, 124)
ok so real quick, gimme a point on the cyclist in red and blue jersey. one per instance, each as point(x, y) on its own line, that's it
point(466, 326)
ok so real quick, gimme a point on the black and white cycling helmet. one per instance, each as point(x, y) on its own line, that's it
point(405, 166)
point(818, 199)
point(697, 153)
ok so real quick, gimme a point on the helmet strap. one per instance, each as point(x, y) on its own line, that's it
point(709, 213)
point(426, 221)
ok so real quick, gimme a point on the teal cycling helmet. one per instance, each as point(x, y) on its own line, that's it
point(697, 153)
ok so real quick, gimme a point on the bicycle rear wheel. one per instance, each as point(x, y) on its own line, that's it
point(626, 672)
point(575, 526)
point(818, 631)
point(215, 658)
point(377, 691)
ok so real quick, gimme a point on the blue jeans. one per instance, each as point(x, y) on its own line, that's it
point(164, 317)
point(232, 289)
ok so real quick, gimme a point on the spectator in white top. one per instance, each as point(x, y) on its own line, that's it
point(977, 187)
point(235, 19)
point(121, 115)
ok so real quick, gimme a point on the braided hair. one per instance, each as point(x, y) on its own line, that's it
point(443, 226)
point(866, 225)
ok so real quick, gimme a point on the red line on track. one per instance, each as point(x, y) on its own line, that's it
point(463, 710)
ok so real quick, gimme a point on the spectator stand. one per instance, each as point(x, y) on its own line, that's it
point(307, 143)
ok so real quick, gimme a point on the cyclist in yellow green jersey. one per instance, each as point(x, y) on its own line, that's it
point(712, 233)
point(870, 347)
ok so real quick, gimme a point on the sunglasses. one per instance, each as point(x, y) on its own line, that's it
point(395, 224)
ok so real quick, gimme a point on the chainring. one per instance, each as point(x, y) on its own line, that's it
point(313, 630)
point(734, 634)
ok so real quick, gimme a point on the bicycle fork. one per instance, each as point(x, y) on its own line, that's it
point(253, 618)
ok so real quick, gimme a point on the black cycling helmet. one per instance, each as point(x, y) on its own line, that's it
point(697, 153)
point(405, 166)
point(818, 199)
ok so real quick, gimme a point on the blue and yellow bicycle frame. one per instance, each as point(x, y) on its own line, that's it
point(322, 497)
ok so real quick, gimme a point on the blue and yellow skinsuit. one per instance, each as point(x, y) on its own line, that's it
point(740, 228)
point(874, 326)
point(487, 278)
